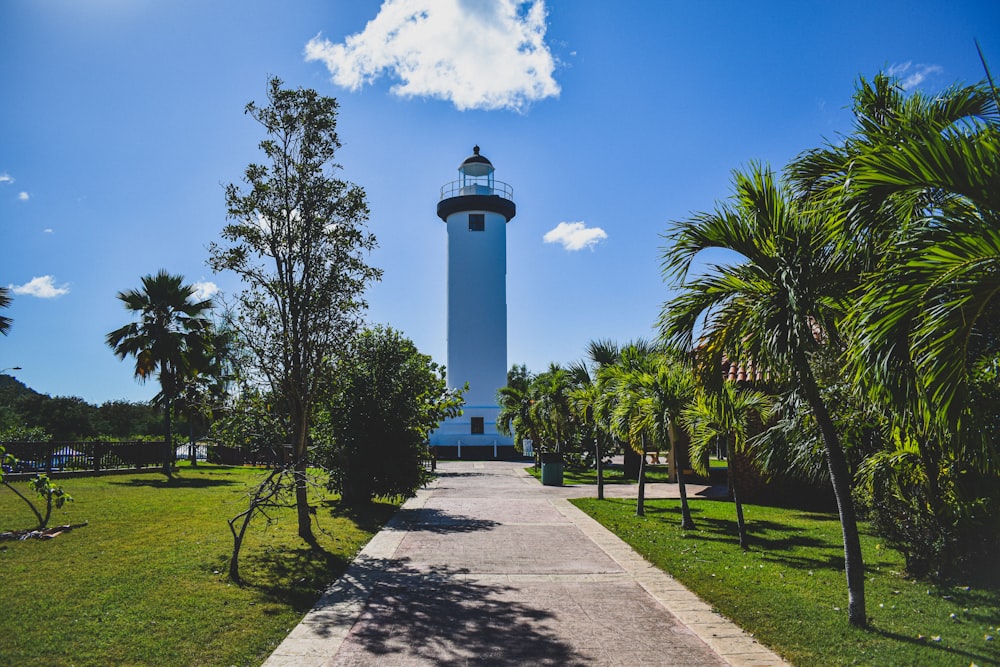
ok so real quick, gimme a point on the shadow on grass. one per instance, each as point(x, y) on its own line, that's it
point(437, 616)
point(176, 482)
point(976, 658)
point(777, 541)
point(292, 576)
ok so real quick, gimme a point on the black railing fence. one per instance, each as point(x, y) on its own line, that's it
point(50, 457)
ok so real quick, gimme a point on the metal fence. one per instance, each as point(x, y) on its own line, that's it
point(50, 457)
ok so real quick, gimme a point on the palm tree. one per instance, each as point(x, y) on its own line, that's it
point(774, 305)
point(947, 270)
point(5, 299)
point(171, 338)
point(515, 399)
point(918, 185)
point(584, 400)
point(204, 390)
point(885, 119)
point(588, 408)
point(650, 389)
point(729, 414)
point(622, 394)
point(550, 407)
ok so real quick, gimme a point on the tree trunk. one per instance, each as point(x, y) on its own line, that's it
point(169, 442)
point(600, 468)
point(302, 502)
point(640, 506)
point(840, 478)
point(192, 446)
point(41, 520)
point(687, 523)
point(234, 561)
point(302, 483)
point(741, 526)
point(630, 465)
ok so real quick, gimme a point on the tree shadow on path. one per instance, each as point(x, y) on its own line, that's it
point(443, 616)
point(434, 520)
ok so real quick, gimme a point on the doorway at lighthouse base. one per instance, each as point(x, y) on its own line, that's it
point(473, 436)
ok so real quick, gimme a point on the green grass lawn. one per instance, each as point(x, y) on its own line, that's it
point(789, 590)
point(612, 475)
point(144, 582)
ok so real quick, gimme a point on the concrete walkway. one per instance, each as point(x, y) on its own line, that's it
point(489, 567)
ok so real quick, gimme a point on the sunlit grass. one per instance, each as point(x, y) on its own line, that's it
point(144, 582)
point(790, 591)
point(612, 475)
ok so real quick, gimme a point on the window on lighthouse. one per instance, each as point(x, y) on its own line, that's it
point(477, 222)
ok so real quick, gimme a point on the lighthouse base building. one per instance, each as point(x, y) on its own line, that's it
point(476, 209)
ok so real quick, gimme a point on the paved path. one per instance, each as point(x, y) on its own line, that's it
point(489, 567)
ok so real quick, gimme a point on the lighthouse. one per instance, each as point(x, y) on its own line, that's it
point(476, 209)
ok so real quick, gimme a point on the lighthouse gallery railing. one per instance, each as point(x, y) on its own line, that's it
point(471, 186)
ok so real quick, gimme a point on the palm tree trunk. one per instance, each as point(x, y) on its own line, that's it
point(169, 442)
point(741, 526)
point(192, 452)
point(687, 523)
point(640, 506)
point(840, 478)
point(600, 467)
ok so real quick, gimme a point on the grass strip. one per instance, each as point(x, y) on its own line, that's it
point(790, 592)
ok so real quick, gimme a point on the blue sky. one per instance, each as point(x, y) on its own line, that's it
point(122, 121)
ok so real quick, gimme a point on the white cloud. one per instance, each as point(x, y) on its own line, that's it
point(477, 55)
point(42, 287)
point(23, 196)
point(204, 289)
point(49, 230)
point(6, 178)
point(575, 235)
point(910, 79)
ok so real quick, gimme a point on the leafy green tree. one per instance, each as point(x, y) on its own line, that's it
point(171, 338)
point(774, 305)
point(731, 414)
point(5, 299)
point(297, 239)
point(387, 398)
point(252, 421)
point(125, 419)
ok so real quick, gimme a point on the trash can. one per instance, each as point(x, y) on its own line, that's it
point(552, 468)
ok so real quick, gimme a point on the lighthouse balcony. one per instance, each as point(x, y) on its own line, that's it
point(469, 186)
point(476, 195)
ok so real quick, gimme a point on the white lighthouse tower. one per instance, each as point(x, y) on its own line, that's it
point(476, 209)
